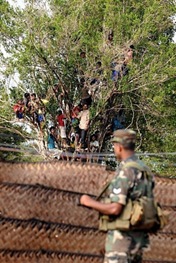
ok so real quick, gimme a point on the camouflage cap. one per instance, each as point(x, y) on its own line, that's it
point(124, 136)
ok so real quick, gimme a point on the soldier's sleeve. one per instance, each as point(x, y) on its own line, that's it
point(120, 186)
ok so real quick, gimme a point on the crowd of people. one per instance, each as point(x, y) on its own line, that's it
point(69, 133)
point(74, 135)
point(119, 67)
point(32, 108)
point(65, 133)
point(71, 130)
point(75, 138)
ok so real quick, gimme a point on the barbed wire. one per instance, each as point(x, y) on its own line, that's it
point(79, 154)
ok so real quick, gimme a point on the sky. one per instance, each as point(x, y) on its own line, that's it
point(19, 3)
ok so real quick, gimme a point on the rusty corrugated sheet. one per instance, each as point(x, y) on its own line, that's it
point(41, 221)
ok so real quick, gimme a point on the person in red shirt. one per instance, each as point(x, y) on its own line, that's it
point(75, 111)
point(61, 123)
point(19, 109)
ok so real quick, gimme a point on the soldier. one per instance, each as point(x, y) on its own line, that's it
point(122, 246)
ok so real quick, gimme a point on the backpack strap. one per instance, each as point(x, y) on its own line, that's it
point(147, 175)
point(140, 166)
point(132, 164)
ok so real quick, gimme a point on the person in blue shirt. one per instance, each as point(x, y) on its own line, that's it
point(52, 144)
point(52, 140)
point(116, 124)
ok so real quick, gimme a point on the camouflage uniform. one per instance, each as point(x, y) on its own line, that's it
point(125, 246)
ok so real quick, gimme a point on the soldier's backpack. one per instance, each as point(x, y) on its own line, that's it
point(141, 213)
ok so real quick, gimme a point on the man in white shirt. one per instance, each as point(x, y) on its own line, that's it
point(84, 117)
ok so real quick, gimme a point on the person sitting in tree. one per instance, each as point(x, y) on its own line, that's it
point(34, 107)
point(61, 123)
point(19, 109)
point(128, 58)
point(94, 144)
point(27, 103)
point(37, 111)
point(52, 143)
point(52, 138)
point(84, 117)
point(75, 122)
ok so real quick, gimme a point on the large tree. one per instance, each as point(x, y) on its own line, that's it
point(61, 41)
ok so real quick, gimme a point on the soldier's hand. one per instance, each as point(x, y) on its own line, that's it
point(85, 200)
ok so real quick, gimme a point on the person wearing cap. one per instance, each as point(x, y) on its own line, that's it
point(121, 246)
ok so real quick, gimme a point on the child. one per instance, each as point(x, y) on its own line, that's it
point(61, 119)
point(19, 110)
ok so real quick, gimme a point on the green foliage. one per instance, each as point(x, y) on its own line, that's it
point(111, 165)
point(45, 48)
point(163, 165)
